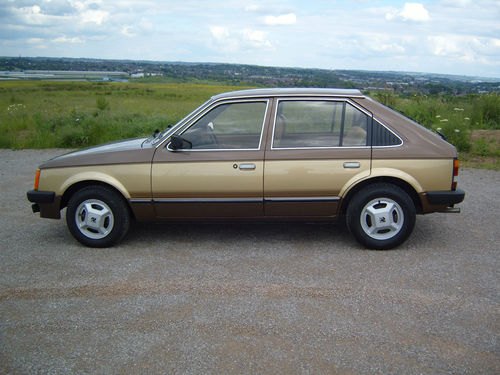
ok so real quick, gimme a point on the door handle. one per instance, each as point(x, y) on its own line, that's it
point(352, 164)
point(247, 166)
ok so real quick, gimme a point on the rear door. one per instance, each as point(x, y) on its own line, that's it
point(221, 174)
point(317, 147)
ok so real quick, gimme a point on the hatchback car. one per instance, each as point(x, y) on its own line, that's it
point(263, 154)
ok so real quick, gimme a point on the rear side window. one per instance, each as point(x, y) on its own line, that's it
point(317, 123)
point(382, 136)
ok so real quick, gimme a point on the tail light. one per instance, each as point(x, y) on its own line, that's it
point(37, 179)
point(454, 181)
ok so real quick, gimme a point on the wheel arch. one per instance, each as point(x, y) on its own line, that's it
point(407, 187)
point(76, 186)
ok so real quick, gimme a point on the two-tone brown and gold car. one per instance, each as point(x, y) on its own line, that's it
point(264, 154)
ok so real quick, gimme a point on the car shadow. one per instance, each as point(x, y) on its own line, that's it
point(238, 233)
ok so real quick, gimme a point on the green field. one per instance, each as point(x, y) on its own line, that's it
point(40, 114)
point(471, 122)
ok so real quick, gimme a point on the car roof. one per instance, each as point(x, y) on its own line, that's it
point(289, 92)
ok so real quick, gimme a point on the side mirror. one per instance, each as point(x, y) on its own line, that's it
point(178, 143)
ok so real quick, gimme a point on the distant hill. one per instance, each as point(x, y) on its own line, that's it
point(235, 74)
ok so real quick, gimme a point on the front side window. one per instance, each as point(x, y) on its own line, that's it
point(316, 123)
point(228, 126)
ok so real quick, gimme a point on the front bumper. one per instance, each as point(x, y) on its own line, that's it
point(37, 196)
point(46, 199)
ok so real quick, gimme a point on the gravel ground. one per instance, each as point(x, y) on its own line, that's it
point(248, 297)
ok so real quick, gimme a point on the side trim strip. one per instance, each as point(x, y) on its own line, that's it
point(301, 199)
point(208, 200)
point(237, 200)
point(141, 201)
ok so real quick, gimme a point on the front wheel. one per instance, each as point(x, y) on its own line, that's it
point(381, 216)
point(97, 216)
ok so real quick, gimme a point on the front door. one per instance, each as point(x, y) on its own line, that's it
point(318, 148)
point(219, 172)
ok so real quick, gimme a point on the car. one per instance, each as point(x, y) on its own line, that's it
point(291, 154)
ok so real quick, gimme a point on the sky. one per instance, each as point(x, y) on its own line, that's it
point(435, 36)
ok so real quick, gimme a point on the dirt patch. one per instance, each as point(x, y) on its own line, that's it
point(486, 134)
point(484, 152)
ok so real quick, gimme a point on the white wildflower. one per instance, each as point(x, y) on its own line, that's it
point(457, 130)
point(444, 120)
point(466, 118)
point(458, 109)
point(438, 116)
point(439, 129)
point(15, 107)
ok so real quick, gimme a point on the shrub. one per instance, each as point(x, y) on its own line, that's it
point(101, 103)
point(486, 111)
point(456, 133)
point(387, 98)
point(481, 148)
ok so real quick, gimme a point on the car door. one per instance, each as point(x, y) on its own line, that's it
point(317, 148)
point(218, 173)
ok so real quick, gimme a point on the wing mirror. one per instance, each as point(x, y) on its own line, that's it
point(178, 143)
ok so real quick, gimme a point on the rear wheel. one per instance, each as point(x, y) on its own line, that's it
point(381, 216)
point(97, 216)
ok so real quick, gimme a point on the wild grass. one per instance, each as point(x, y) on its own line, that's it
point(35, 114)
point(456, 117)
point(38, 114)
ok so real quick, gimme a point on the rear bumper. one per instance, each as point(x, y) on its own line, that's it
point(448, 198)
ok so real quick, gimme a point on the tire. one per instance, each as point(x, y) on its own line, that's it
point(97, 216)
point(381, 216)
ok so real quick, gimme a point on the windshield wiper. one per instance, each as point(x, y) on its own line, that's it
point(441, 135)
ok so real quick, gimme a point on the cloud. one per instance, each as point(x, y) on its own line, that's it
point(456, 3)
point(233, 41)
point(35, 40)
point(223, 39)
point(411, 12)
point(454, 36)
point(94, 16)
point(81, 5)
point(415, 12)
point(445, 46)
point(220, 33)
point(252, 8)
point(270, 8)
point(32, 15)
point(146, 26)
point(256, 38)
point(126, 31)
point(467, 48)
point(283, 19)
point(64, 39)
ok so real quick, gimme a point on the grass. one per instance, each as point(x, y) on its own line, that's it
point(35, 114)
point(471, 123)
point(41, 114)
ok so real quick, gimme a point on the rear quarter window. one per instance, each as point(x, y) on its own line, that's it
point(381, 136)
